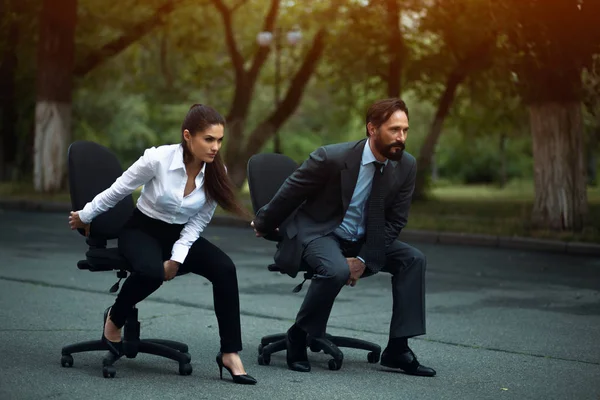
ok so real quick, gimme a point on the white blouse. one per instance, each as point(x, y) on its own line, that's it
point(162, 173)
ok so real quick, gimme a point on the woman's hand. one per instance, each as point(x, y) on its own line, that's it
point(76, 223)
point(171, 268)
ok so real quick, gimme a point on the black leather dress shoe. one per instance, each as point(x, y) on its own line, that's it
point(406, 361)
point(297, 357)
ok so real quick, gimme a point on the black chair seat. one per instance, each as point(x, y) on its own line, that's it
point(107, 259)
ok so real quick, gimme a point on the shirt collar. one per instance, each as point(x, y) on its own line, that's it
point(177, 162)
point(368, 156)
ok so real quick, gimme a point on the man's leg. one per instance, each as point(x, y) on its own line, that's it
point(331, 272)
point(407, 266)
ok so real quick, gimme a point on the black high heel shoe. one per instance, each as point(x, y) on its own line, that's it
point(114, 347)
point(241, 379)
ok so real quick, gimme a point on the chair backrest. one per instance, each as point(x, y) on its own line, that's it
point(92, 169)
point(266, 173)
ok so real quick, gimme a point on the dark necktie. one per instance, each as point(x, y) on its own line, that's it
point(375, 229)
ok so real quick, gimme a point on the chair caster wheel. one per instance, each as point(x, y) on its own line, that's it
point(66, 360)
point(260, 348)
point(108, 371)
point(264, 359)
point(334, 364)
point(373, 357)
point(185, 369)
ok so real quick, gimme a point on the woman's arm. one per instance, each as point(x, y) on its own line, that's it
point(142, 171)
point(191, 232)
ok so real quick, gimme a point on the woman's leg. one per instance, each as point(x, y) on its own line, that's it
point(144, 254)
point(209, 261)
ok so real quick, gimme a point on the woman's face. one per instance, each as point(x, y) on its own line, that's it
point(205, 145)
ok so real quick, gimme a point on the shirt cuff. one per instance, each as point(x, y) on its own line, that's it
point(84, 217)
point(361, 259)
point(179, 252)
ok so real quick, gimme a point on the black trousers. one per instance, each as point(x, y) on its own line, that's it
point(326, 256)
point(146, 243)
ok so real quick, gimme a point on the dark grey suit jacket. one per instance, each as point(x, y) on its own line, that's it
point(312, 202)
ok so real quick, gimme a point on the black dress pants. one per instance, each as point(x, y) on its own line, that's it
point(146, 243)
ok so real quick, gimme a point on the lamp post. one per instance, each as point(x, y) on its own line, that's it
point(265, 39)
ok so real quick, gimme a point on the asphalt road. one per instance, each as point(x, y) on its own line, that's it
point(501, 324)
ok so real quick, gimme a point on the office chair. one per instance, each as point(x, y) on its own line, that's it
point(266, 173)
point(93, 168)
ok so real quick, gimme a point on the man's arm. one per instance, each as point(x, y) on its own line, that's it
point(308, 178)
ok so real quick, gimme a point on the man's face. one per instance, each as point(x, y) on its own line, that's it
point(388, 140)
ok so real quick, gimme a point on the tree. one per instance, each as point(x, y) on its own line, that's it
point(133, 29)
point(17, 17)
point(58, 66)
point(8, 71)
point(56, 55)
point(552, 42)
point(396, 47)
point(240, 146)
point(460, 43)
point(591, 101)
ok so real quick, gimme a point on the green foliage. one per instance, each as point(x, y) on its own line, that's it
point(138, 98)
point(549, 43)
point(470, 160)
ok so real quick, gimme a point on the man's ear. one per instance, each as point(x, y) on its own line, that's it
point(371, 128)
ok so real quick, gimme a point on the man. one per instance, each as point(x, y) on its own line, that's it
point(340, 214)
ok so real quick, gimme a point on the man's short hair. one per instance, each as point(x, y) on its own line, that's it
point(382, 110)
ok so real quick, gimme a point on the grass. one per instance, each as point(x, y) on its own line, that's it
point(490, 210)
point(452, 208)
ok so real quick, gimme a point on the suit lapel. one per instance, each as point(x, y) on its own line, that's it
point(349, 175)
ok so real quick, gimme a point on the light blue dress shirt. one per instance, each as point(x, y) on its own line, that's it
point(353, 225)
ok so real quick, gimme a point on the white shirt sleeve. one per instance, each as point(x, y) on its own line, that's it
point(191, 231)
point(140, 172)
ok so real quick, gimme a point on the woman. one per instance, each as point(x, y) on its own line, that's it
point(182, 185)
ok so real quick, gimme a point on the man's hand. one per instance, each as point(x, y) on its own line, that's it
point(357, 268)
point(171, 268)
point(257, 233)
point(76, 223)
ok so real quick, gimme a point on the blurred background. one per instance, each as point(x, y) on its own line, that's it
point(504, 95)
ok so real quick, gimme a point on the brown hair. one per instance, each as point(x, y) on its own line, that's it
point(217, 184)
point(382, 110)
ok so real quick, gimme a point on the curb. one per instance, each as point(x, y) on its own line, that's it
point(447, 238)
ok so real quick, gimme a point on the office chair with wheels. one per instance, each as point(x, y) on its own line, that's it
point(93, 168)
point(266, 173)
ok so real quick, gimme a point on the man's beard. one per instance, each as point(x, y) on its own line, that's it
point(393, 152)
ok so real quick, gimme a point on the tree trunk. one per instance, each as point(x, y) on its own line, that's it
point(503, 163)
point(8, 100)
point(240, 148)
point(428, 147)
point(245, 83)
point(268, 127)
point(592, 161)
point(56, 51)
point(396, 49)
point(559, 168)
